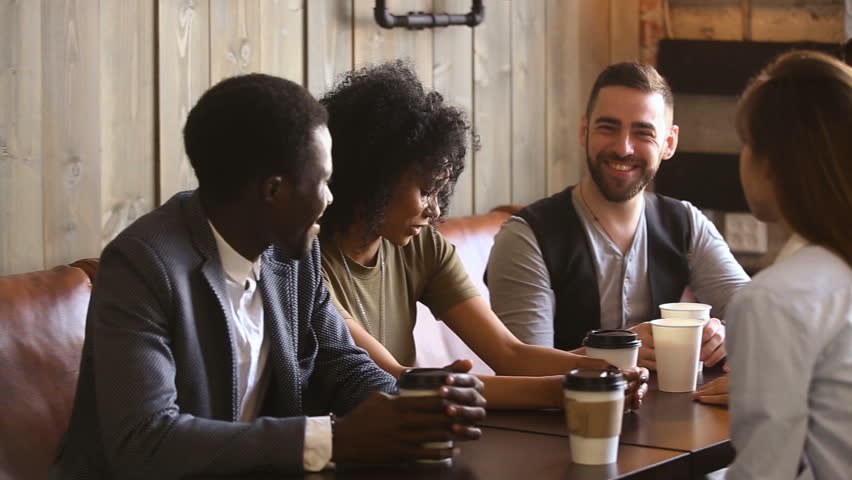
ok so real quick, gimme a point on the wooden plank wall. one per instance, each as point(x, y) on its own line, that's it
point(94, 94)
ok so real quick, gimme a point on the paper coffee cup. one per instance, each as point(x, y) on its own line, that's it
point(677, 344)
point(594, 406)
point(700, 311)
point(618, 347)
point(425, 382)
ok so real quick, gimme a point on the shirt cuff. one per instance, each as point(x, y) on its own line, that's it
point(317, 454)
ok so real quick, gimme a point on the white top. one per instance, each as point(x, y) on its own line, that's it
point(252, 350)
point(522, 296)
point(790, 351)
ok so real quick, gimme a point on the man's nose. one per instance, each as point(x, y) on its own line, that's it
point(624, 145)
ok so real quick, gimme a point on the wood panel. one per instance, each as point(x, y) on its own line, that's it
point(128, 140)
point(282, 40)
point(21, 238)
point(329, 44)
point(492, 94)
point(623, 31)
point(453, 78)
point(184, 74)
point(529, 147)
point(234, 38)
point(578, 50)
point(373, 44)
point(71, 173)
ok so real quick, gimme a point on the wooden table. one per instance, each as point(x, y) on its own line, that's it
point(670, 421)
point(512, 455)
point(671, 436)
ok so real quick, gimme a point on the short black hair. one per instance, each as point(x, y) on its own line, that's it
point(639, 76)
point(249, 127)
point(383, 124)
point(847, 52)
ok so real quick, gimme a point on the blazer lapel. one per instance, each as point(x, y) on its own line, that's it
point(281, 323)
point(214, 274)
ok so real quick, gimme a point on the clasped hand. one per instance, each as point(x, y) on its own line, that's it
point(712, 344)
point(388, 428)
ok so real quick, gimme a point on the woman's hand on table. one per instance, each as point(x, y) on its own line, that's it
point(714, 392)
point(637, 387)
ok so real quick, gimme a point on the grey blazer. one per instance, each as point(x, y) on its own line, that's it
point(157, 392)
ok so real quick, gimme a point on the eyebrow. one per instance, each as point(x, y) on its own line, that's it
point(615, 121)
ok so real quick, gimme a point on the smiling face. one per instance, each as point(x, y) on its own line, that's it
point(627, 135)
point(413, 205)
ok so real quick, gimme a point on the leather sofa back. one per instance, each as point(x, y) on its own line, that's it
point(473, 237)
point(42, 326)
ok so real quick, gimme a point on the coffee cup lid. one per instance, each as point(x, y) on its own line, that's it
point(423, 378)
point(594, 380)
point(611, 339)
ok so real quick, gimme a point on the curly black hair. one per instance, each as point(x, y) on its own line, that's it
point(248, 127)
point(383, 125)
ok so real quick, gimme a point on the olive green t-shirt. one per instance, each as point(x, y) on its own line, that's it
point(426, 270)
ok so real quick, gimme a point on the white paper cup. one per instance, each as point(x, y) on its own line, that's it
point(677, 344)
point(594, 406)
point(618, 347)
point(425, 382)
point(700, 311)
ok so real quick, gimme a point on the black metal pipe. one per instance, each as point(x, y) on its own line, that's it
point(420, 20)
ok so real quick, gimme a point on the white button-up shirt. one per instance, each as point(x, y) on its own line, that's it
point(252, 350)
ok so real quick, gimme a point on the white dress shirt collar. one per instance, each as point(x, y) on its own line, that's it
point(235, 265)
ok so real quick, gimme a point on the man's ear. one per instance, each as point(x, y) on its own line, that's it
point(274, 189)
point(584, 130)
point(671, 142)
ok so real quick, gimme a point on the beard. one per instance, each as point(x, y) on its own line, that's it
point(612, 192)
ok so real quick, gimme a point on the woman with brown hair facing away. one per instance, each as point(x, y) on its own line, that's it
point(397, 151)
point(790, 330)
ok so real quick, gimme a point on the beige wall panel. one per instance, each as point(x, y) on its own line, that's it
point(329, 44)
point(127, 113)
point(184, 60)
point(234, 38)
point(375, 44)
point(282, 41)
point(578, 49)
point(71, 174)
point(453, 77)
point(529, 126)
point(492, 93)
point(707, 23)
point(624, 31)
point(21, 239)
point(706, 123)
point(816, 23)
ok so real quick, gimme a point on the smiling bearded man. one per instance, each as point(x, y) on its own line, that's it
point(604, 253)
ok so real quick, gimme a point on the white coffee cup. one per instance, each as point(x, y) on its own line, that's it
point(594, 406)
point(677, 345)
point(618, 347)
point(425, 382)
point(700, 311)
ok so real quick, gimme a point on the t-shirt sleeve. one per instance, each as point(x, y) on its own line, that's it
point(447, 281)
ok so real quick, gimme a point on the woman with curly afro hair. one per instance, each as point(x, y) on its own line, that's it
point(397, 151)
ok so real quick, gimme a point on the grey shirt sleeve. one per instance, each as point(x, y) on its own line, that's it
point(519, 284)
point(714, 273)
